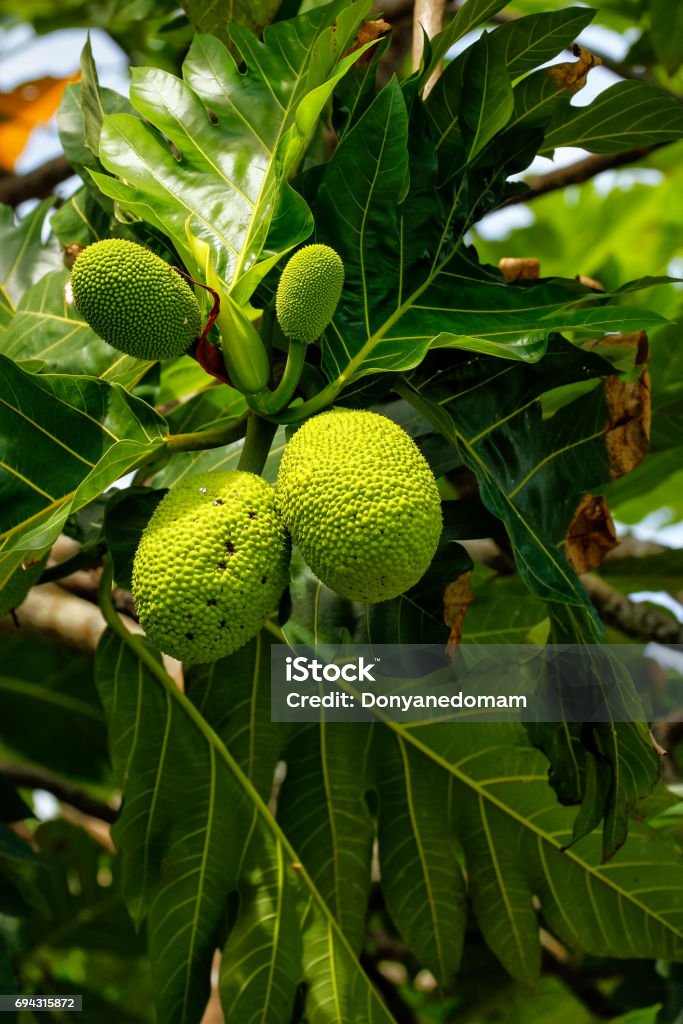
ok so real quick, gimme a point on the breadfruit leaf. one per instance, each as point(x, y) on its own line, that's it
point(435, 294)
point(63, 440)
point(23, 257)
point(194, 830)
point(219, 144)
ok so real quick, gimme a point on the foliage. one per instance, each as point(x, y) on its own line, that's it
point(455, 853)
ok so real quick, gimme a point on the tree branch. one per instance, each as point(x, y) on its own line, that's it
point(30, 777)
point(428, 16)
point(579, 172)
point(36, 184)
point(631, 617)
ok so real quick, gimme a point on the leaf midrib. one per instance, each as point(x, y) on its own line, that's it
point(260, 808)
point(484, 794)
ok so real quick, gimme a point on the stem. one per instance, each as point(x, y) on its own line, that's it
point(230, 431)
point(271, 402)
point(27, 776)
point(319, 402)
point(259, 437)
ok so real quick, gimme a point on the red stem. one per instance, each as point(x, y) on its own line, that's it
point(207, 355)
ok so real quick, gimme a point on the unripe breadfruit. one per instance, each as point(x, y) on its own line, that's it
point(135, 300)
point(310, 288)
point(211, 565)
point(361, 503)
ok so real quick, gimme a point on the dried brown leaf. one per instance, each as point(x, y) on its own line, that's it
point(629, 405)
point(457, 598)
point(591, 534)
point(368, 32)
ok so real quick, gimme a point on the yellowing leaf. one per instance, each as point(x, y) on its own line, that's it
point(572, 74)
point(25, 108)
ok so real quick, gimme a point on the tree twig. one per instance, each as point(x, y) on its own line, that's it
point(36, 184)
point(579, 172)
point(30, 777)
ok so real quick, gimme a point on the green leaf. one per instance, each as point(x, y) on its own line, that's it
point(192, 830)
point(666, 33)
point(46, 327)
point(416, 842)
point(82, 219)
point(535, 39)
point(81, 911)
point(323, 811)
point(487, 103)
point(81, 114)
point(516, 841)
point(470, 15)
point(530, 470)
point(503, 612)
point(23, 258)
point(48, 690)
point(437, 295)
point(234, 138)
point(126, 515)
point(216, 17)
point(625, 116)
point(63, 440)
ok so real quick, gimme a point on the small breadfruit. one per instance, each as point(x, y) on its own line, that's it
point(310, 288)
point(15, 587)
point(135, 300)
point(211, 565)
point(361, 503)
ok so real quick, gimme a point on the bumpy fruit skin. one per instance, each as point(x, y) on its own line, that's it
point(135, 300)
point(15, 588)
point(361, 503)
point(211, 565)
point(310, 288)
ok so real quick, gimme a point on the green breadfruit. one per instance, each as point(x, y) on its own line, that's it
point(15, 587)
point(211, 565)
point(361, 503)
point(308, 292)
point(135, 300)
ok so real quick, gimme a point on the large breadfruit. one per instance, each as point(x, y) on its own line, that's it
point(135, 300)
point(361, 503)
point(211, 565)
point(308, 292)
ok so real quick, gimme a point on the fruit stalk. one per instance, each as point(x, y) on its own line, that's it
point(257, 442)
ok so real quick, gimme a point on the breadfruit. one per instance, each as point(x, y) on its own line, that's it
point(135, 300)
point(361, 503)
point(15, 587)
point(211, 565)
point(309, 290)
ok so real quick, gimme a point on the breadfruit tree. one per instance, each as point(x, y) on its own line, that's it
point(275, 371)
